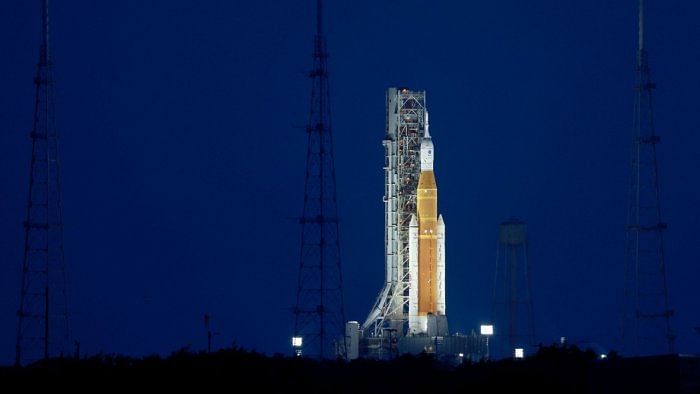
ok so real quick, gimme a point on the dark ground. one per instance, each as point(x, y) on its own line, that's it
point(552, 369)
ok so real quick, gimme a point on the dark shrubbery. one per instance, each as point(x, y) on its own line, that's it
point(553, 369)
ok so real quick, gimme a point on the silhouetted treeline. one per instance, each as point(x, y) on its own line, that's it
point(564, 369)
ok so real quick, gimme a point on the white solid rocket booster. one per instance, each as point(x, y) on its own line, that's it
point(414, 323)
point(441, 306)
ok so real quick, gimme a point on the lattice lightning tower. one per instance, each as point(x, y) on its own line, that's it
point(42, 327)
point(319, 312)
point(646, 316)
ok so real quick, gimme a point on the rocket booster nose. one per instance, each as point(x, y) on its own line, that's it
point(414, 222)
point(440, 222)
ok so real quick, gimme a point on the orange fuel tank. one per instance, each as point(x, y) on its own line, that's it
point(427, 244)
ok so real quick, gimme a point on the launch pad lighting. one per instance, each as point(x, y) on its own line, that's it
point(487, 329)
point(519, 353)
point(297, 341)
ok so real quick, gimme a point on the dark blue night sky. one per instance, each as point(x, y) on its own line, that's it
point(183, 160)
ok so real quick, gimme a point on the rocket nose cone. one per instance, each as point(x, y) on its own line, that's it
point(441, 222)
point(414, 222)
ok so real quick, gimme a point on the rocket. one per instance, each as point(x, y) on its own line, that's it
point(426, 246)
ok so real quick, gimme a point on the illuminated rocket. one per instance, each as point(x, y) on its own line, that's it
point(426, 246)
point(412, 300)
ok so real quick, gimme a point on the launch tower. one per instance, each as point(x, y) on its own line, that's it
point(414, 288)
point(409, 315)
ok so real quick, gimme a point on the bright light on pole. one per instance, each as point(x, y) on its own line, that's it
point(487, 331)
point(519, 353)
point(296, 344)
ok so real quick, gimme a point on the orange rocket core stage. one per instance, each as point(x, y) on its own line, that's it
point(427, 241)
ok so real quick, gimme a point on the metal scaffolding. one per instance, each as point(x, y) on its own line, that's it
point(405, 127)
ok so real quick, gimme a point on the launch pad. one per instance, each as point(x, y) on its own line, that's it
point(410, 313)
